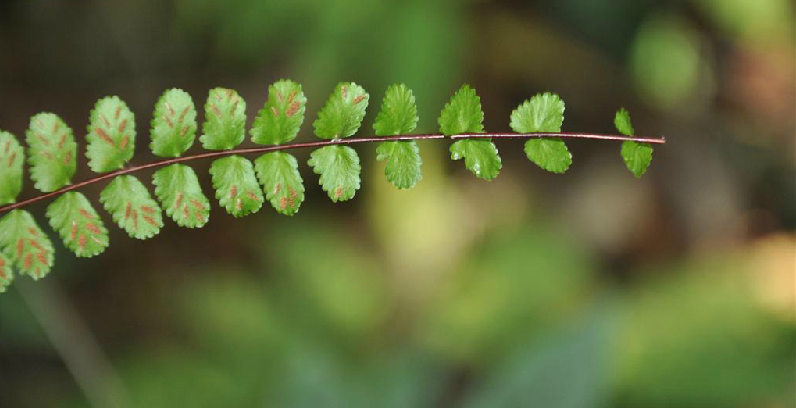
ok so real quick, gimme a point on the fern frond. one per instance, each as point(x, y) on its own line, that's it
point(241, 186)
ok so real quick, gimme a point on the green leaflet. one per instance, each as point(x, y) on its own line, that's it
point(480, 156)
point(463, 114)
point(225, 120)
point(111, 135)
point(6, 273)
point(132, 208)
point(173, 124)
point(24, 243)
point(78, 224)
point(398, 115)
point(236, 185)
point(343, 113)
point(280, 119)
point(550, 154)
point(543, 113)
point(178, 190)
point(403, 163)
point(278, 174)
point(622, 122)
point(11, 158)
point(637, 155)
point(53, 152)
point(339, 169)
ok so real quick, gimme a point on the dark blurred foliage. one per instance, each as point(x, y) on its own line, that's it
point(590, 289)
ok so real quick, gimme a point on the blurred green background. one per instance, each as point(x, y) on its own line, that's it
point(589, 289)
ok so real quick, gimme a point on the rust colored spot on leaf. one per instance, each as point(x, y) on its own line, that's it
point(291, 192)
point(186, 212)
point(171, 110)
point(277, 188)
point(238, 205)
point(134, 215)
point(292, 95)
point(127, 210)
point(147, 209)
point(11, 158)
point(104, 119)
point(20, 247)
point(229, 94)
point(61, 141)
point(215, 109)
point(282, 203)
point(233, 107)
point(43, 139)
point(33, 232)
point(279, 96)
point(35, 245)
point(184, 131)
point(178, 201)
point(339, 192)
point(197, 204)
point(67, 157)
point(47, 155)
point(42, 257)
point(28, 261)
point(86, 214)
point(81, 242)
point(293, 109)
point(125, 140)
point(252, 196)
point(122, 125)
point(56, 126)
point(117, 112)
point(150, 221)
point(233, 191)
point(184, 112)
point(359, 99)
point(74, 231)
point(104, 136)
point(7, 146)
point(345, 92)
point(168, 122)
point(93, 228)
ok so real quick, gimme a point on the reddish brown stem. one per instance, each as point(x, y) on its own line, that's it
point(323, 143)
